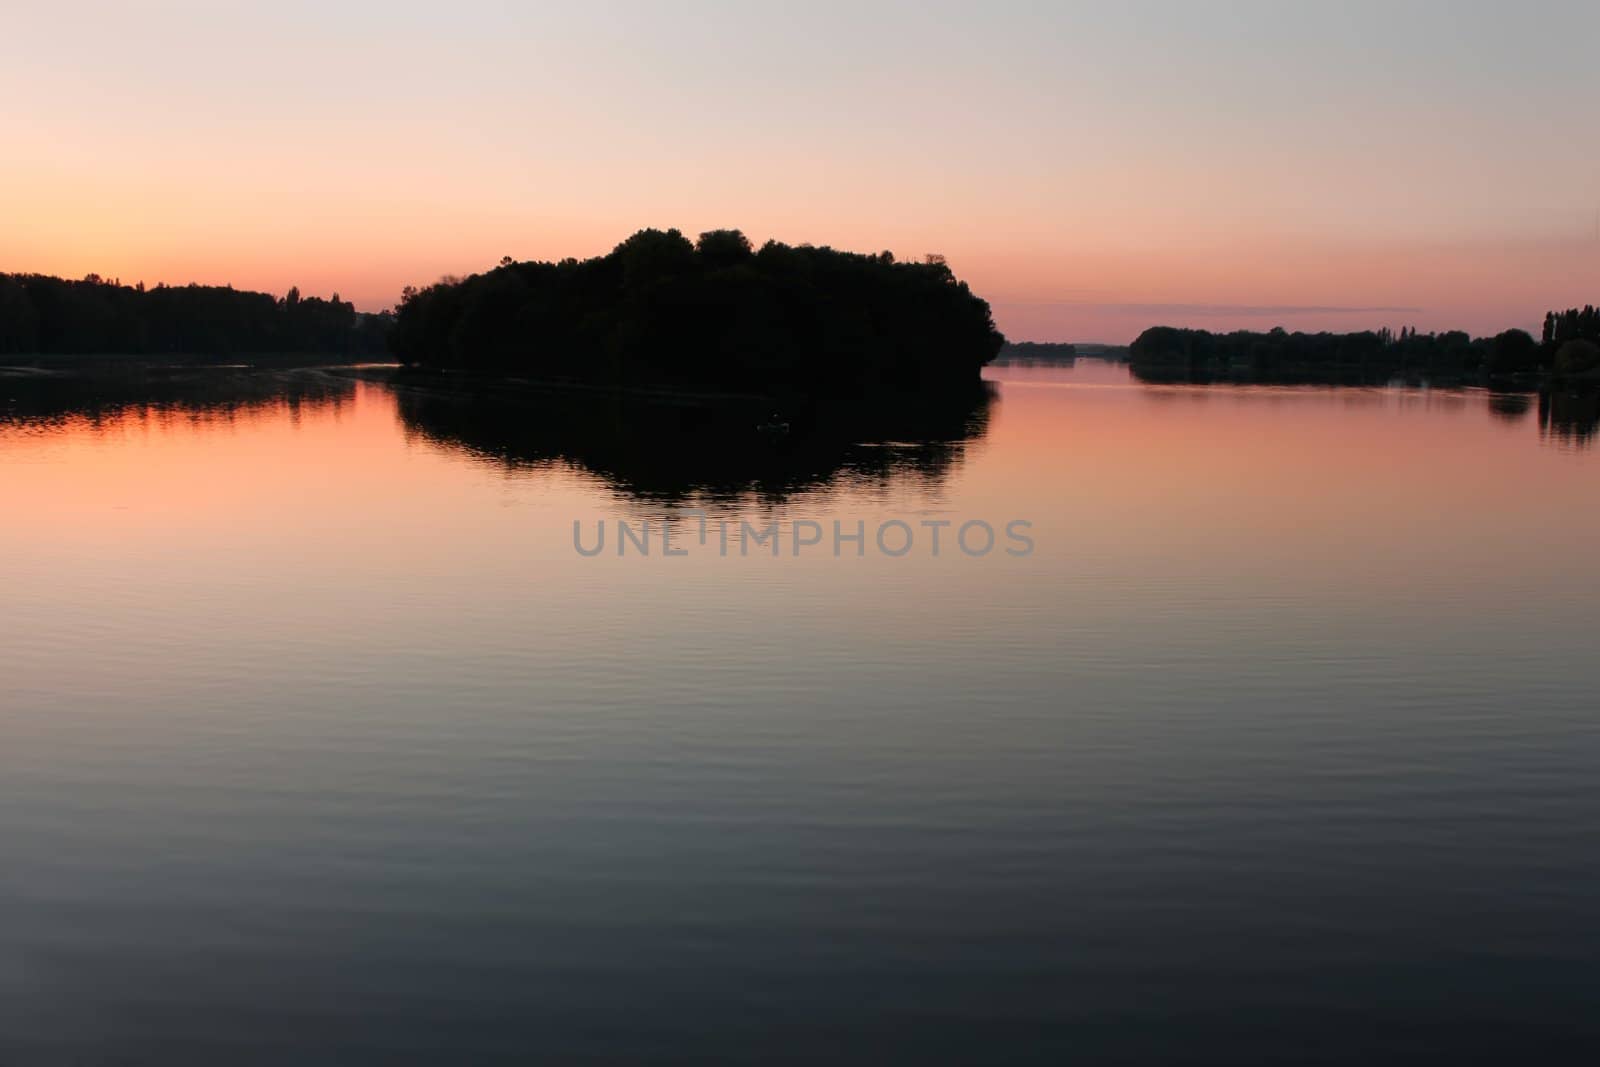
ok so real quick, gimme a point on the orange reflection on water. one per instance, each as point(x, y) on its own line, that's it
point(1358, 485)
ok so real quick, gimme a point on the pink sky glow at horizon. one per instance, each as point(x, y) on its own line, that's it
point(1089, 169)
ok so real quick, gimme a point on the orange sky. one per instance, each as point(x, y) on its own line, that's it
point(1090, 169)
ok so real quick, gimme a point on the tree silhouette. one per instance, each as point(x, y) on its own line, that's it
point(660, 310)
point(43, 315)
point(1166, 353)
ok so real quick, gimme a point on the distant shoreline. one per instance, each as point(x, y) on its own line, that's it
point(1567, 352)
point(1056, 353)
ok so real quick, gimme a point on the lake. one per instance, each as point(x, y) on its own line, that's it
point(320, 742)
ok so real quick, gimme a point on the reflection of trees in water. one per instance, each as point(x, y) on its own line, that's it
point(1567, 414)
point(102, 399)
point(1510, 406)
point(656, 450)
point(1570, 415)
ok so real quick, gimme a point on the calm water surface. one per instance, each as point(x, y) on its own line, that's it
point(319, 743)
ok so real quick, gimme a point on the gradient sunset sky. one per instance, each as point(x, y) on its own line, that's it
point(1091, 169)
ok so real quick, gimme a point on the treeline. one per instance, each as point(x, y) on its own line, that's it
point(661, 310)
point(1568, 348)
point(1575, 332)
point(43, 315)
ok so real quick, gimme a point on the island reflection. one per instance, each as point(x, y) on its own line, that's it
point(690, 452)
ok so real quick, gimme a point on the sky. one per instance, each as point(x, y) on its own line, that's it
point(1090, 169)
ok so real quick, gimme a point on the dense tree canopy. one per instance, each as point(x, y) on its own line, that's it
point(42, 315)
point(662, 310)
point(1577, 356)
point(1170, 352)
point(1572, 324)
